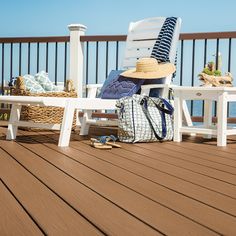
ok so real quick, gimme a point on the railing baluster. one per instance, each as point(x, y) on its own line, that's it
point(217, 53)
point(96, 62)
point(107, 53)
point(2, 84)
point(56, 47)
point(204, 63)
point(37, 57)
point(181, 62)
point(65, 63)
point(87, 64)
point(28, 58)
point(11, 59)
point(205, 52)
point(20, 56)
point(192, 81)
point(117, 54)
point(229, 54)
point(47, 57)
point(217, 60)
point(229, 68)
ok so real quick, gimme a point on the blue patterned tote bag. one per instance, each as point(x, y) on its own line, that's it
point(144, 119)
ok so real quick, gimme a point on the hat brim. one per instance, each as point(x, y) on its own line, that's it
point(163, 70)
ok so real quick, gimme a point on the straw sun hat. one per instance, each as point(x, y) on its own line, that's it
point(149, 68)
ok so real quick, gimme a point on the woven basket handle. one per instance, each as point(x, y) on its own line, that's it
point(20, 85)
point(69, 85)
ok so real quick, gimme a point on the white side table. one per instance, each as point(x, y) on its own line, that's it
point(222, 95)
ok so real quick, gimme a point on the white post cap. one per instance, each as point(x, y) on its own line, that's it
point(77, 27)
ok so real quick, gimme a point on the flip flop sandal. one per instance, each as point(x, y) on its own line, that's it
point(96, 144)
point(109, 140)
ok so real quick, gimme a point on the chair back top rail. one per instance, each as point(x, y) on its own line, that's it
point(95, 38)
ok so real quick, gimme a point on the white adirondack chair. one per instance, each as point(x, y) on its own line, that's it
point(141, 38)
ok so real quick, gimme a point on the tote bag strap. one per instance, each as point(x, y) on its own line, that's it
point(160, 105)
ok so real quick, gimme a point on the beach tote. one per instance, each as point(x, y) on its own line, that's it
point(144, 119)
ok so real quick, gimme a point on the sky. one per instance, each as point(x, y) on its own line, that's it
point(51, 17)
point(27, 18)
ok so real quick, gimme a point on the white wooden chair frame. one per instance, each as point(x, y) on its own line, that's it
point(140, 41)
point(146, 29)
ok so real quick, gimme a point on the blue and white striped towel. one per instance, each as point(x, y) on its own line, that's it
point(161, 49)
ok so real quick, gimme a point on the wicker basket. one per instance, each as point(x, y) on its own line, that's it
point(37, 114)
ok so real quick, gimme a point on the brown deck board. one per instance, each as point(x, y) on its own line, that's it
point(183, 155)
point(141, 189)
point(137, 205)
point(52, 214)
point(88, 202)
point(170, 199)
point(13, 216)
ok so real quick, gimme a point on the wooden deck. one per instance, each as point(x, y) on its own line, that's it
point(140, 189)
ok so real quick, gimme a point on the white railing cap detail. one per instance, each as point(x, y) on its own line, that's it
point(77, 27)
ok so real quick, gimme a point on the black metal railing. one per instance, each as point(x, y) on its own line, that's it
point(103, 53)
point(23, 55)
point(30, 57)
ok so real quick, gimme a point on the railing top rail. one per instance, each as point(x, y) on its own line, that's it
point(35, 39)
point(183, 36)
point(95, 38)
point(208, 35)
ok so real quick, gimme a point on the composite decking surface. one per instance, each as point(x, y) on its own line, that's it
point(186, 188)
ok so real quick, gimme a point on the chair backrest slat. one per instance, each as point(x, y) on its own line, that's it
point(141, 39)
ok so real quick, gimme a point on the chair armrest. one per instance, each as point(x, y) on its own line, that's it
point(92, 90)
point(150, 86)
point(88, 86)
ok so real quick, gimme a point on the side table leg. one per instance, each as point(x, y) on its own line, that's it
point(207, 118)
point(178, 105)
point(222, 119)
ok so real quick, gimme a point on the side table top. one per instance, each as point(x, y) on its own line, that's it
point(190, 88)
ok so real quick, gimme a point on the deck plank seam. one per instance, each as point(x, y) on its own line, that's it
point(183, 167)
point(161, 172)
point(131, 190)
point(194, 155)
point(222, 151)
point(73, 208)
point(148, 167)
point(141, 177)
point(146, 223)
point(172, 156)
point(22, 206)
point(50, 138)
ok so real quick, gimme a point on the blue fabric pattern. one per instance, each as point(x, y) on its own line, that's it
point(117, 86)
point(32, 85)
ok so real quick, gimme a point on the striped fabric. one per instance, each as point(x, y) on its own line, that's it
point(162, 46)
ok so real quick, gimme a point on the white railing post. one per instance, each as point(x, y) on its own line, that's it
point(76, 56)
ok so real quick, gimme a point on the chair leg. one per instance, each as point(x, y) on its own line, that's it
point(66, 125)
point(13, 122)
point(85, 125)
